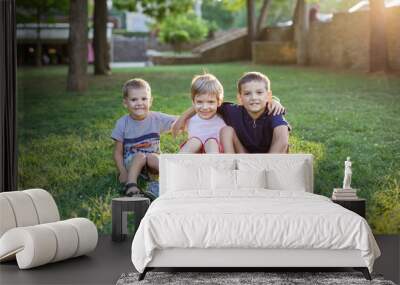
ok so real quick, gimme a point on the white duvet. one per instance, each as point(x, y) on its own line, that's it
point(251, 218)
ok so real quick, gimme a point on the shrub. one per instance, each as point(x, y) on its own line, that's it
point(182, 29)
point(386, 208)
point(212, 28)
point(218, 13)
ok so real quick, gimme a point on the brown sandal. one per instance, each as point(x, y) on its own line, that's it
point(130, 185)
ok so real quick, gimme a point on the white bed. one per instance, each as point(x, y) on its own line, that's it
point(251, 210)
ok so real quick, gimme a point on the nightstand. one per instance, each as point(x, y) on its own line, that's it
point(120, 208)
point(357, 205)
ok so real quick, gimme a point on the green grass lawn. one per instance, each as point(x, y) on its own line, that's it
point(65, 145)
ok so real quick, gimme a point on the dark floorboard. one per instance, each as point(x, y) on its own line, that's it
point(110, 260)
point(103, 266)
point(389, 262)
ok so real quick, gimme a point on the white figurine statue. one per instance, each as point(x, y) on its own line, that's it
point(347, 174)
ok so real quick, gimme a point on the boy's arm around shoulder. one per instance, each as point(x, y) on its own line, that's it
point(179, 125)
point(275, 108)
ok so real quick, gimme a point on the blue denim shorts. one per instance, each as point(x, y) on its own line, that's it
point(144, 174)
point(154, 188)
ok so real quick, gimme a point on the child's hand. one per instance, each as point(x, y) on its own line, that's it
point(123, 177)
point(178, 127)
point(275, 108)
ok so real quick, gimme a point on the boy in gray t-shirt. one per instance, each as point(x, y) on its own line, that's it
point(137, 135)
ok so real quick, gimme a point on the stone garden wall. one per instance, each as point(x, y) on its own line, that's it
point(129, 49)
point(393, 37)
point(274, 52)
point(344, 42)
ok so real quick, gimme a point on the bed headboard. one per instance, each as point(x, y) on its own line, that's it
point(290, 170)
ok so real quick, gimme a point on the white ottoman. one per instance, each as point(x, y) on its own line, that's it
point(31, 232)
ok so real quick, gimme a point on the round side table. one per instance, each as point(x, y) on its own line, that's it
point(119, 210)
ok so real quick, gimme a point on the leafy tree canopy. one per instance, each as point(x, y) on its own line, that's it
point(157, 9)
point(183, 29)
point(215, 12)
point(40, 10)
point(234, 5)
point(278, 11)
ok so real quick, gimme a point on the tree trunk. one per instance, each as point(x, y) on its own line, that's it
point(262, 17)
point(100, 45)
point(77, 45)
point(38, 53)
point(301, 26)
point(38, 50)
point(251, 24)
point(378, 47)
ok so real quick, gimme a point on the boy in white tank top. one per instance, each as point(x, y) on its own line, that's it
point(204, 127)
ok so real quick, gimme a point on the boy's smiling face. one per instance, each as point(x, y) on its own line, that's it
point(254, 97)
point(138, 103)
point(205, 105)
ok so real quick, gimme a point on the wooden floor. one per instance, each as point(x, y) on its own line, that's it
point(103, 266)
point(110, 260)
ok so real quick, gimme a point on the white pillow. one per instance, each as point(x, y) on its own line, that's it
point(234, 179)
point(182, 177)
point(281, 174)
point(293, 180)
point(224, 179)
point(251, 178)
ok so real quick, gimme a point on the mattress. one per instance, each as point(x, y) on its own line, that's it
point(250, 219)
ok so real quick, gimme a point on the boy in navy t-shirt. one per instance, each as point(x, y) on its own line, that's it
point(250, 127)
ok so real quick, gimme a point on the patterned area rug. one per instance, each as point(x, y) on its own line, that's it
point(273, 278)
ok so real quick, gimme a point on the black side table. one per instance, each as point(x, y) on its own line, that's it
point(357, 205)
point(120, 208)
